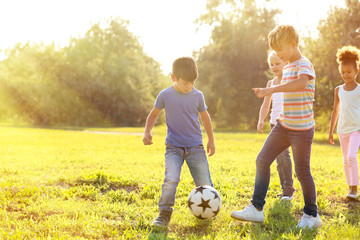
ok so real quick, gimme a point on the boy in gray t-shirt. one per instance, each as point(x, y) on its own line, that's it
point(183, 104)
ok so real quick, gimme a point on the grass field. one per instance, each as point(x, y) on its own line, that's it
point(63, 184)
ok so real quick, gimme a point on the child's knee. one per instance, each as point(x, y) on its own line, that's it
point(262, 162)
point(170, 181)
point(352, 159)
point(303, 174)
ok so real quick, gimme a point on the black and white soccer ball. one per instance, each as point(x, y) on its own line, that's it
point(204, 202)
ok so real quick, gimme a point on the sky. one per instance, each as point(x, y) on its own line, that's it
point(165, 28)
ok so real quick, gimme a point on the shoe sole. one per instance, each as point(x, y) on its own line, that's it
point(246, 220)
point(352, 197)
point(287, 198)
point(159, 225)
point(308, 228)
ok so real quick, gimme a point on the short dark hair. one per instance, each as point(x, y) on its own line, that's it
point(185, 68)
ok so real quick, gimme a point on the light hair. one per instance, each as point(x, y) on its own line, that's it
point(270, 54)
point(348, 55)
point(185, 68)
point(282, 34)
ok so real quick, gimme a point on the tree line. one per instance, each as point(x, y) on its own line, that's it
point(104, 78)
point(236, 59)
point(101, 79)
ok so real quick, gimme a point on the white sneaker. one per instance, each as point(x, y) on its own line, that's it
point(308, 221)
point(250, 214)
point(288, 194)
point(352, 196)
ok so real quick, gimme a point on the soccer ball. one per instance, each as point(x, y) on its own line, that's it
point(204, 202)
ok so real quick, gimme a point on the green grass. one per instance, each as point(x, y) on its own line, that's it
point(63, 184)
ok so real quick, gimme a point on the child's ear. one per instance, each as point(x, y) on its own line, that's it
point(173, 78)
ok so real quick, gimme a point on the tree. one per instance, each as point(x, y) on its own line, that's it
point(340, 28)
point(235, 61)
point(102, 78)
point(109, 69)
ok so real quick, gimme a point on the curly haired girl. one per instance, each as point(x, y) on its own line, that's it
point(347, 110)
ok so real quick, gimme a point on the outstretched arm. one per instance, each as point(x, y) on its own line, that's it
point(293, 86)
point(206, 120)
point(334, 115)
point(150, 122)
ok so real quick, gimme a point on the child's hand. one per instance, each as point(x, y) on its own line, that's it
point(260, 127)
point(147, 140)
point(262, 92)
point(331, 139)
point(211, 148)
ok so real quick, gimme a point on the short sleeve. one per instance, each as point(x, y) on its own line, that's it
point(306, 68)
point(202, 106)
point(160, 102)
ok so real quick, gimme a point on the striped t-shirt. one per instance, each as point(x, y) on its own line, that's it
point(297, 112)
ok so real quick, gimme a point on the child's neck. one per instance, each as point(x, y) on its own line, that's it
point(296, 56)
point(277, 80)
point(350, 85)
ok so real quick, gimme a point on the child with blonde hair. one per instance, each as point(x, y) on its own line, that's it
point(347, 110)
point(283, 161)
point(294, 127)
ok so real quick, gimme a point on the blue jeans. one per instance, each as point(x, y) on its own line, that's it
point(174, 159)
point(284, 167)
point(277, 141)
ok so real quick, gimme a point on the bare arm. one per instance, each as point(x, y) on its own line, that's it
point(150, 122)
point(206, 120)
point(296, 85)
point(264, 110)
point(334, 115)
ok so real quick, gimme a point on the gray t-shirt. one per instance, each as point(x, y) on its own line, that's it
point(182, 116)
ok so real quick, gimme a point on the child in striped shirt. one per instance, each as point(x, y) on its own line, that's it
point(347, 109)
point(283, 161)
point(295, 128)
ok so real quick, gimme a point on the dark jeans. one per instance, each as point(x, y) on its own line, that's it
point(277, 141)
point(284, 167)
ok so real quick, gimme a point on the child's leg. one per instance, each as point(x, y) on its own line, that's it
point(284, 168)
point(198, 165)
point(173, 163)
point(301, 146)
point(344, 144)
point(354, 143)
point(275, 143)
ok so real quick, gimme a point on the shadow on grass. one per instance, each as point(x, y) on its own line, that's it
point(158, 233)
point(200, 228)
point(353, 215)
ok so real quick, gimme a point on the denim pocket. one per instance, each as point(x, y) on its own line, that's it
point(199, 146)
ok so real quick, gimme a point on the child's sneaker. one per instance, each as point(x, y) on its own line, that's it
point(308, 221)
point(288, 193)
point(250, 213)
point(352, 196)
point(163, 219)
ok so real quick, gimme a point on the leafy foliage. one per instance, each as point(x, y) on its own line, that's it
point(235, 61)
point(340, 28)
point(103, 78)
